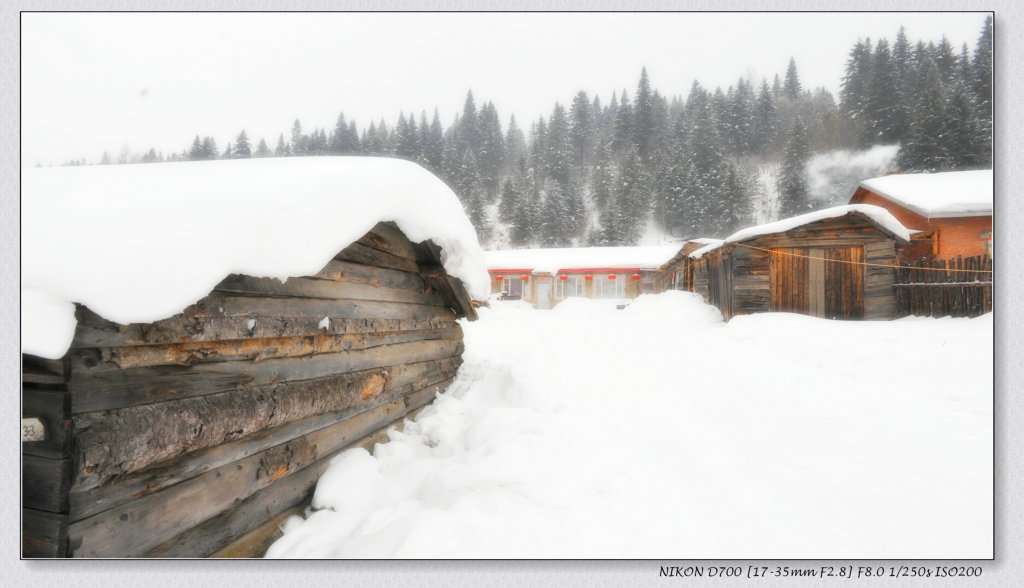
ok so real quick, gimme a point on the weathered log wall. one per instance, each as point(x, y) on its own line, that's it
point(856, 276)
point(187, 433)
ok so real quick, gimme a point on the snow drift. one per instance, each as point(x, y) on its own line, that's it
point(659, 431)
point(139, 243)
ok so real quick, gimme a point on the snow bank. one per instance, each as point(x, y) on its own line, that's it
point(661, 432)
point(832, 173)
point(138, 243)
point(556, 259)
point(947, 194)
point(879, 215)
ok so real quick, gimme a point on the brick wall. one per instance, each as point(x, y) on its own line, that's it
point(954, 236)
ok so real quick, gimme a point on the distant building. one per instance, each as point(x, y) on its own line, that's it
point(546, 277)
point(834, 263)
point(952, 211)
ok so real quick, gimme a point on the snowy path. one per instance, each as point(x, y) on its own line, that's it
point(660, 432)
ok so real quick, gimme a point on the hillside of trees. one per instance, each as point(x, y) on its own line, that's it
point(606, 171)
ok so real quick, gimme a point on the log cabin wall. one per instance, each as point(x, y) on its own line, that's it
point(856, 260)
point(189, 433)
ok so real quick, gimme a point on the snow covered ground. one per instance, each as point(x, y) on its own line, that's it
point(659, 431)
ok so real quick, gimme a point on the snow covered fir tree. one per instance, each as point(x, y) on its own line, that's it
point(641, 167)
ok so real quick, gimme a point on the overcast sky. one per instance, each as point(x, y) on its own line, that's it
point(95, 82)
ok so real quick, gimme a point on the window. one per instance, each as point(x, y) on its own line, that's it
point(512, 288)
point(571, 286)
point(647, 287)
point(605, 288)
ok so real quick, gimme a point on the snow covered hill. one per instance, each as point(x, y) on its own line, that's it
point(661, 432)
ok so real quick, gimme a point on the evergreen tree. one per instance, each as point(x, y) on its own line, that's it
point(228, 152)
point(433, 147)
point(739, 117)
point(262, 150)
point(196, 153)
point(881, 124)
point(903, 66)
point(558, 152)
point(300, 142)
point(623, 126)
point(923, 149)
point(282, 149)
point(515, 146)
point(208, 150)
point(791, 87)
point(793, 192)
point(853, 97)
point(408, 144)
point(467, 129)
point(765, 120)
point(491, 150)
point(645, 122)
point(581, 128)
point(242, 147)
point(983, 90)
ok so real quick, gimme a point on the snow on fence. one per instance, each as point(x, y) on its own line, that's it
point(958, 287)
point(196, 435)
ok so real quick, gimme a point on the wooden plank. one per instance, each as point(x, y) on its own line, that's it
point(134, 528)
point(88, 498)
point(358, 273)
point(52, 406)
point(815, 282)
point(359, 253)
point(43, 534)
point(45, 483)
point(111, 444)
point(325, 289)
point(145, 385)
point(388, 238)
point(218, 532)
point(254, 349)
point(199, 329)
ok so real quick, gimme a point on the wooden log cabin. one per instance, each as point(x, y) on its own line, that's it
point(835, 263)
point(198, 434)
point(545, 278)
point(951, 212)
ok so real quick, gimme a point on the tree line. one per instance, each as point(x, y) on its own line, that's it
point(603, 173)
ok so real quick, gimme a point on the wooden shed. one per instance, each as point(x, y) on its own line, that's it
point(198, 434)
point(835, 263)
point(679, 270)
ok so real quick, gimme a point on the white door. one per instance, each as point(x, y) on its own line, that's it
point(544, 294)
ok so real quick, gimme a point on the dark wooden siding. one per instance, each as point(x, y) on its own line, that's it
point(844, 283)
point(229, 410)
point(788, 278)
point(839, 267)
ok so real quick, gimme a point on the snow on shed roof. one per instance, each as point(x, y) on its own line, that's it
point(946, 194)
point(555, 259)
point(880, 216)
point(139, 243)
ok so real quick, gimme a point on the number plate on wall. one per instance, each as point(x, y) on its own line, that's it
point(32, 430)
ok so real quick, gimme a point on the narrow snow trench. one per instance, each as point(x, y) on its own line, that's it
point(659, 431)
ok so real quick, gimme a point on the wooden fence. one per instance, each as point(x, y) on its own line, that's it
point(958, 287)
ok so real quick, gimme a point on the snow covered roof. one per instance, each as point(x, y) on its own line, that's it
point(939, 195)
point(878, 215)
point(556, 259)
point(139, 243)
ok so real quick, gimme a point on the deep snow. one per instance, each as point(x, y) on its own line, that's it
point(139, 243)
point(659, 431)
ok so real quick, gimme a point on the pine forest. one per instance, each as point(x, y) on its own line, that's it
point(636, 166)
